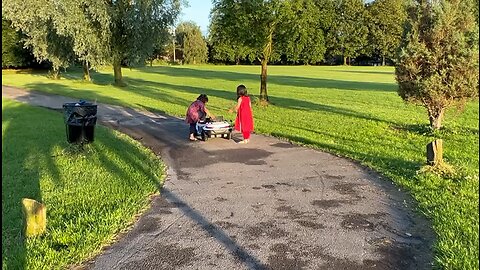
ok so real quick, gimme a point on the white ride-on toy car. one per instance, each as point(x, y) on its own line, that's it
point(214, 128)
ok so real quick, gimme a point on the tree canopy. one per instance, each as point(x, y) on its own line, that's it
point(301, 37)
point(225, 49)
point(92, 31)
point(192, 43)
point(348, 35)
point(13, 52)
point(386, 20)
point(37, 20)
point(438, 64)
point(268, 29)
point(136, 29)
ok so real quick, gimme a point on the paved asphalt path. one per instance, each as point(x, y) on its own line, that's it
point(268, 204)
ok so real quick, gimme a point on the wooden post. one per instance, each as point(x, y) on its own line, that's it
point(435, 152)
point(35, 214)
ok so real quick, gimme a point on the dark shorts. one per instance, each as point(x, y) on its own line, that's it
point(193, 128)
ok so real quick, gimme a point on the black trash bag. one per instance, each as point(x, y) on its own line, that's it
point(80, 119)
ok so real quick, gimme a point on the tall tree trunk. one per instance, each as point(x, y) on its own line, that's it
point(344, 60)
point(436, 116)
point(267, 51)
point(117, 72)
point(174, 59)
point(263, 81)
point(383, 60)
point(86, 72)
point(55, 72)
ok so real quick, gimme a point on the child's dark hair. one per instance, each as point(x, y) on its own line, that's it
point(203, 98)
point(241, 90)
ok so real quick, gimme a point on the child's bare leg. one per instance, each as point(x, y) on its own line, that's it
point(246, 137)
point(193, 128)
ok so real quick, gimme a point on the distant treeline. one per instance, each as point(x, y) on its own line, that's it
point(294, 32)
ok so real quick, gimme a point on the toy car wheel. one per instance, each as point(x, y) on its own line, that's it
point(229, 136)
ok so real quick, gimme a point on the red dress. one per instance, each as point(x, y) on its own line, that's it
point(244, 120)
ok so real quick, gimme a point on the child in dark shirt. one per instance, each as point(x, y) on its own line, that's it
point(197, 111)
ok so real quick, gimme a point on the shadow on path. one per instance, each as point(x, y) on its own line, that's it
point(279, 188)
point(237, 251)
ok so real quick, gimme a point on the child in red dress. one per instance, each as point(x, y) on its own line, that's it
point(244, 119)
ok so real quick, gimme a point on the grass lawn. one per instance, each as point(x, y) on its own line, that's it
point(90, 195)
point(351, 111)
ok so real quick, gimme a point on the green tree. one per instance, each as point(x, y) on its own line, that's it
point(87, 23)
point(348, 35)
point(387, 18)
point(252, 23)
point(301, 36)
point(266, 27)
point(192, 42)
point(136, 27)
point(93, 31)
point(13, 52)
point(61, 32)
point(225, 49)
point(163, 46)
point(37, 20)
point(438, 63)
point(195, 48)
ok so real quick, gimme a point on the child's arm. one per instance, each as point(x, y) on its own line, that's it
point(238, 104)
point(208, 113)
point(236, 107)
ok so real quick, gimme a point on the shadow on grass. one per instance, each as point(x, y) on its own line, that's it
point(40, 72)
point(239, 77)
point(400, 167)
point(54, 88)
point(28, 152)
point(272, 79)
point(72, 73)
point(365, 72)
point(426, 130)
point(102, 78)
point(26, 156)
point(351, 139)
point(37, 159)
point(153, 90)
point(418, 129)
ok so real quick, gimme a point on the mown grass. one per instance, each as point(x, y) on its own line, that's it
point(351, 111)
point(90, 194)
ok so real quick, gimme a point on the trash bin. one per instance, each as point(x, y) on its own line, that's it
point(80, 119)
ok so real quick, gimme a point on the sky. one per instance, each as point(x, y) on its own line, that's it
point(198, 12)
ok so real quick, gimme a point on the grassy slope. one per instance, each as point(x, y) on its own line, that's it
point(90, 195)
point(351, 111)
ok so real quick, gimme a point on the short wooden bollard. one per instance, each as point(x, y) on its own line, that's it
point(435, 152)
point(35, 214)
